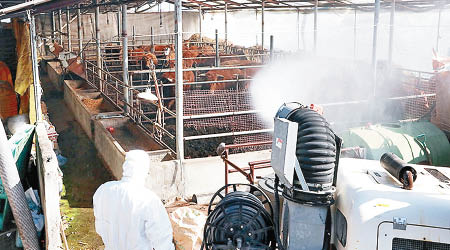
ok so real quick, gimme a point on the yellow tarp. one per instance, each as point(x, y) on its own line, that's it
point(24, 75)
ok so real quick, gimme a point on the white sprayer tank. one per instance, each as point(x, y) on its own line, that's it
point(373, 212)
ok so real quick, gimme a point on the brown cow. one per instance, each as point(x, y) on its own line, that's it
point(188, 76)
point(222, 74)
point(140, 55)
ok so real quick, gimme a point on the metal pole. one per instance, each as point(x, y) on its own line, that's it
point(80, 35)
point(374, 43)
point(438, 31)
point(69, 42)
point(217, 63)
point(134, 35)
point(60, 27)
point(316, 5)
point(298, 30)
point(52, 20)
point(226, 27)
point(119, 13)
point(354, 36)
point(271, 47)
point(262, 24)
point(97, 40)
point(152, 41)
point(391, 32)
point(36, 81)
point(125, 56)
point(179, 79)
point(256, 17)
point(200, 21)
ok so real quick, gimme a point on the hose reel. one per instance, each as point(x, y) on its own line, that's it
point(239, 220)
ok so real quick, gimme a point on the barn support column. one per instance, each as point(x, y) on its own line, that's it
point(179, 79)
point(438, 30)
point(200, 22)
point(60, 27)
point(391, 33)
point(374, 44)
point(125, 57)
point(34, 61)
point(354, 36)
point(98, 51)
point(134, 35)
point(152, 41)
point(119, 13)
point(316, 6)
point(80, 35)
point(262, 24)
point(226, 27)
point(217, 60)
point(271, 47)
point(298, 30)
point(69, 42)
point(53, 23)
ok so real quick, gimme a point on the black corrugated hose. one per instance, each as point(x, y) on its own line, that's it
point(316, 148)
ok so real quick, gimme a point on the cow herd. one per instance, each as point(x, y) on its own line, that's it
point(234, 72)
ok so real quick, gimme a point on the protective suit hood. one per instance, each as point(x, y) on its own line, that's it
point(135, 167)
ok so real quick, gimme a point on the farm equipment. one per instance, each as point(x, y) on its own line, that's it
point(331, 203)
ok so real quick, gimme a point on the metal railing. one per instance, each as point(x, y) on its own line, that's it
point(248, 172)
point(113, 89)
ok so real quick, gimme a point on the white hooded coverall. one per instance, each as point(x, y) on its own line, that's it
point(128, 216)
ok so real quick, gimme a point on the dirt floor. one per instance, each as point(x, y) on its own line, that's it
point(83, 172)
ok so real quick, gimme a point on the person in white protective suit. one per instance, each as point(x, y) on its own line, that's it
point(129, 216)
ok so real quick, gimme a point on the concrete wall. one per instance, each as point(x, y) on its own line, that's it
point(50, 182)
point(142, 23)
point(204, 176)
point(81, 113)
point(54, 71)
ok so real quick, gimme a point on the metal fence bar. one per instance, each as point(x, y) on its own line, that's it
point(196, 137)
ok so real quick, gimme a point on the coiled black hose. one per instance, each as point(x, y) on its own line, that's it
point(316, 148)
point(239, 221)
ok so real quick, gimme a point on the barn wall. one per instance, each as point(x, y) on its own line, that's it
point(142, 23)
point(415, 33)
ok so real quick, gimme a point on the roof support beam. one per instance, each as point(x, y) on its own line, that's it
point(376, 17)
point(391, 32)
point(179, 80)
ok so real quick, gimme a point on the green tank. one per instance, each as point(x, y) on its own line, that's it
point(414, 142)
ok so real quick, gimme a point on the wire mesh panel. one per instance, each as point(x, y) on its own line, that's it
point(204, 102)
point(199, 102)
point(407, 244)
point(249, 122)
point(423, 86)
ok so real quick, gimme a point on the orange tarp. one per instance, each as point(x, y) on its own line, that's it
point(5, 73)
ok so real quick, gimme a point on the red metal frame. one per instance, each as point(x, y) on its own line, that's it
point(250, 175)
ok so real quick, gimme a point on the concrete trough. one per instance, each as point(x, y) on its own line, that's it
point(55, 74)
point(85, 102)
point(116, 136)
